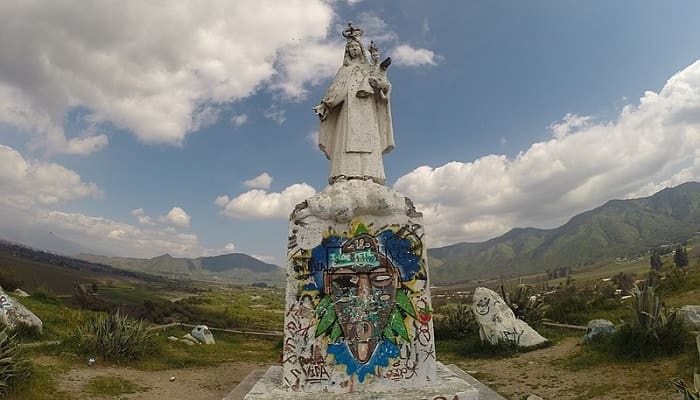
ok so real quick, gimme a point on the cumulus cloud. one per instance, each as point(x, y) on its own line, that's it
point(239, 119)
point(142, 217)
point(30, 189)
point(25, 183)
point(262, 181)
point(160, 83)
point(176, 217)
point(649, 146)
point(111, 237)
point(261, 204)
point(276, 114)
point(221, 201)
point(409, 56)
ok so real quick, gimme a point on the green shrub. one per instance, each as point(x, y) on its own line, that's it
point(25, 332)
point(457, 322)
point(652, 330)
point(526, 304)
point(14, 368)
point(113, 337)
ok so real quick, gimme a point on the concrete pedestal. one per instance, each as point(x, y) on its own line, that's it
point(451, 385)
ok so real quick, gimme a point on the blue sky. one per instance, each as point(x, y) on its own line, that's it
point(135, 129)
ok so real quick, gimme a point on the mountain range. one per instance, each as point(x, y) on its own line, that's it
point(617, 229)
point(231, 268)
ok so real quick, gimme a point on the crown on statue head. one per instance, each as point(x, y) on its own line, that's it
point(352, 32)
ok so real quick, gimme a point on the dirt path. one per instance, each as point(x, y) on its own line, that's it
point(540, 372)
point(211, 383)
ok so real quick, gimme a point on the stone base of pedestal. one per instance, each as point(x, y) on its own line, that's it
point(453, 384)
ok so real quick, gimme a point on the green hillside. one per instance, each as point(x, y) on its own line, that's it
point(617, 229)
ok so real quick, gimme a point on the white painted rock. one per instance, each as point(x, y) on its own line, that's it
point(498, 323)
point(691, 317)
point(187, 342)
point(20, 293)
point(203, 334)
point(172, 338)
point(13, 313)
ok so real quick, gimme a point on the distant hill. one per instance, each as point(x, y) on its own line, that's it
point(57, 273)
point(619, 228)
point(234, 268)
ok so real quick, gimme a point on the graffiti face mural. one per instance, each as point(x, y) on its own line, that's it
point(371, 306)
point(362, 284)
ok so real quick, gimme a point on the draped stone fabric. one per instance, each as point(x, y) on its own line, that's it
point(358, 129)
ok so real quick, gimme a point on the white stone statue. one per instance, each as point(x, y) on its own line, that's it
point(355, 114)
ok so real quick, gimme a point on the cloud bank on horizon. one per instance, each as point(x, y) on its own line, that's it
point(163, 73)
point(650, 146)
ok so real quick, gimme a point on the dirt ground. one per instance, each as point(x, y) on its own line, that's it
point(539, 373)
point(211, 383)
point(536, 372)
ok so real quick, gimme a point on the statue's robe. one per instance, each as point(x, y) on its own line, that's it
point(357, 130)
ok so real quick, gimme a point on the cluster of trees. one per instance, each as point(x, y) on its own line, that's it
point(680, 258)
point(560, 272)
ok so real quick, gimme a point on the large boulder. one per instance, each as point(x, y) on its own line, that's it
point(691, 317)
point(13, 313)
point(598, 328)
point(203, 334)
point(498, 323)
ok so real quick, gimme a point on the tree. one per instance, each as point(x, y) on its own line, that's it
point(655, 260)
point(680, 257)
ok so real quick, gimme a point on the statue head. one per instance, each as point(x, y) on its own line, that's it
point(354, 51)
point(362, 283)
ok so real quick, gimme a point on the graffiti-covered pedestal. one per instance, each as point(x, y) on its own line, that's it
point(358, 301)
point(358, 312)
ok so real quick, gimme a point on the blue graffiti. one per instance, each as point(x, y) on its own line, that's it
point(401, 253)
point(383, 354)
point(397, 249)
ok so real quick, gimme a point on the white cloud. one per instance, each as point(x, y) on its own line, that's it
point(111, 237)
point(176, 217)
point(262, 181)
point(239, 119)
point(569, 124)
point(25, 183)
point(265, 259)
point(261, 204)
point(647, 147)
point(229, 248)
point(160, 84)
point(142, 217)
point(221, 201)
point(276, 114)
point(406, 55)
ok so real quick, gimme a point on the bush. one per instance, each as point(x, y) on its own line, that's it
point(9, 282)
point(526, 304)
point(457, 323)
point(14, 368)
point(652, 330)
point(114, 337)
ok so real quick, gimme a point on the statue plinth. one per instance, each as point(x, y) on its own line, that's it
point(358, 310)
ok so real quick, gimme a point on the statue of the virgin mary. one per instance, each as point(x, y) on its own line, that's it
point(355, 115)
